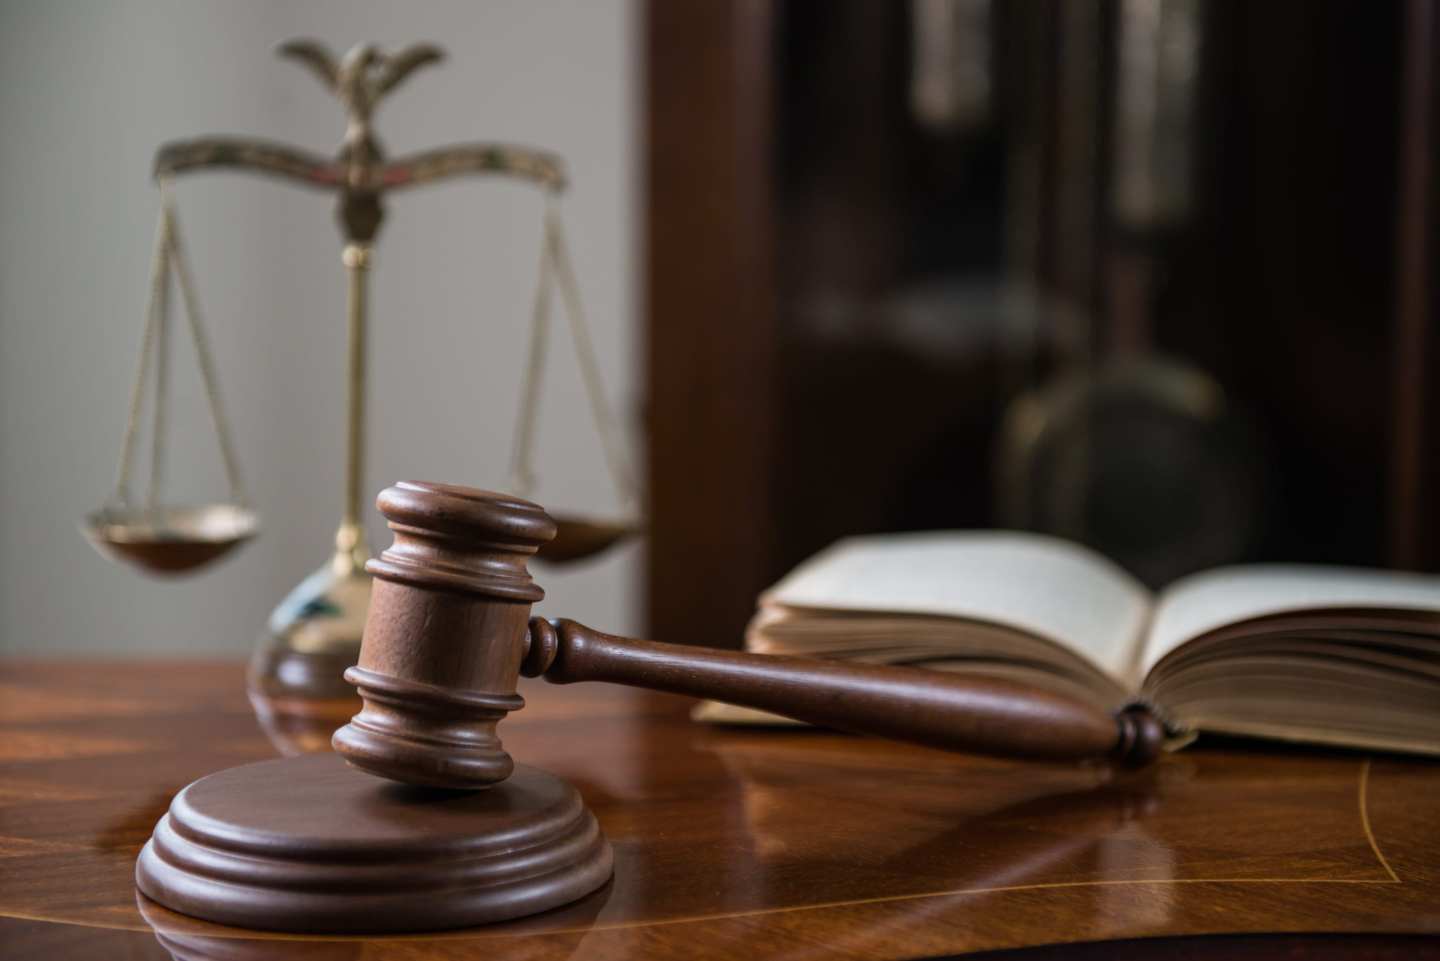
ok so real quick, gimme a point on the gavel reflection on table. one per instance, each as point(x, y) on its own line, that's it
point(308, 844)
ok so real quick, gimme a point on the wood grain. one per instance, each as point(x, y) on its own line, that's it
point(746, 844)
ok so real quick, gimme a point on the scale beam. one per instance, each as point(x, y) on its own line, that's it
point(360, 171)
point(312, 170)
point(442, 163)
point(246, 153)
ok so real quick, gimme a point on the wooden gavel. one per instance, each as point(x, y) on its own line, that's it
point(449, 633)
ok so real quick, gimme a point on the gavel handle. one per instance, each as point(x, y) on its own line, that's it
point(950, 711)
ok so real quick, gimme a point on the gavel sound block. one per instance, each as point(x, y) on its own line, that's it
point(450, 832)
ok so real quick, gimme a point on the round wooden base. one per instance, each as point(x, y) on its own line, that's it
point(308, 844)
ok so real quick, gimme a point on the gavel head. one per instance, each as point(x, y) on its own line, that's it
point(445, 635)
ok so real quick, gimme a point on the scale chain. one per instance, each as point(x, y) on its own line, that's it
point(203, 358)
point(162, 379)
point(522, 474)
point(605, 424)
point(159, 281)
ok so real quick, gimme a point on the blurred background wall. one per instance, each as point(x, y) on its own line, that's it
point(89, 90)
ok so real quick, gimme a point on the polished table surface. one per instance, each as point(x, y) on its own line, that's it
point(754, 843)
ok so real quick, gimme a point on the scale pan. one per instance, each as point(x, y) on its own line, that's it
point(577, 538)
point(170, 540)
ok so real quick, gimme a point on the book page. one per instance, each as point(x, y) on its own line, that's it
point(1200, 603)
point(1044, 586)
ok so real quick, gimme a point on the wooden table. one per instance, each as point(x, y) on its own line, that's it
point(758, 844)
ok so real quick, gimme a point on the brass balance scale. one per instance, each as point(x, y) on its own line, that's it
point(314, 633)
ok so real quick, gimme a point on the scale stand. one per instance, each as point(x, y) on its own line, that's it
point(314, 633)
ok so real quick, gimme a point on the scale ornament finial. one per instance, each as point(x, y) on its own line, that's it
point(365, 74)
point(360, 79)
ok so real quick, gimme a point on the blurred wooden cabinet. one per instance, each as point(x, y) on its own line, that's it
point(846, 295)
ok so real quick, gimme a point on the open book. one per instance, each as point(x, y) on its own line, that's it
point(1319, 654)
